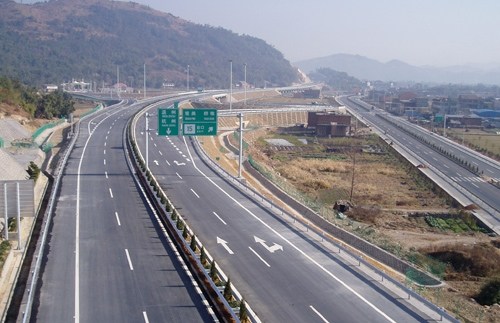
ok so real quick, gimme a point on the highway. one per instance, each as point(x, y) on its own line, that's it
point(482, 193)
point(283, 273)
point(107, 258)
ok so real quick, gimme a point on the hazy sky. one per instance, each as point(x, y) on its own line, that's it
point(419, 32)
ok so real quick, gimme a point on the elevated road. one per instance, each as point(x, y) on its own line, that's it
point(467, 187)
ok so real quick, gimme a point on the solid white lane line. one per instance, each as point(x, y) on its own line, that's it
point(106, 173)
point(128, 259)
point(195, 193)
point(219, 218)
point(145, 315)
point(303, 253)
point(178, 175)
point(318, 313)
point(265, 262)
point(111, 193)
point(118, 219)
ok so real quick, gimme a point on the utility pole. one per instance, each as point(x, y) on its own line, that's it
point(353, 171)
point(241, 146)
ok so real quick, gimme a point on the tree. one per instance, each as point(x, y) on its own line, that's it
point(228, 293)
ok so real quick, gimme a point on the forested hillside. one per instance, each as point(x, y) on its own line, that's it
point(25, 99)
point(55, 41)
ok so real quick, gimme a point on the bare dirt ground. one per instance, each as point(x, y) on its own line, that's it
point(389, 192)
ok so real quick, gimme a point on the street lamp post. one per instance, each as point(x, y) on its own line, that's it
point(188, 78)
point(245, 102)
point(230, 85)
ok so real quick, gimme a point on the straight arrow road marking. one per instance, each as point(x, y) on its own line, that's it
point(272, 248)
point(156, 162)
point(224, 244)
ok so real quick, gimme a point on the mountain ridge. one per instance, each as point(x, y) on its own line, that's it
point(396, 70)
point(49, 42)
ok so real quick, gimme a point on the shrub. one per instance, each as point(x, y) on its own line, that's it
point(213, 271)
point(192, 245)
point(243, 311)
point(490, 293)
point(228, 293)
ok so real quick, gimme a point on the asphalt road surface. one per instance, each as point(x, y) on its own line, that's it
point(283, 274)
point(107, 259)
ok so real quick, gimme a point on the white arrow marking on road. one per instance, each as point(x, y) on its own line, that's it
point(156, 162)
point(224, 244)
point(271, 249)
point(179, 164)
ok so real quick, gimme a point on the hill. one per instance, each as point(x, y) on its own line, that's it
point(368, 69)
point(55, 41)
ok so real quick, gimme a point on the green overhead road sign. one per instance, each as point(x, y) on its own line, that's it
point(168, 122)
point(199, 122)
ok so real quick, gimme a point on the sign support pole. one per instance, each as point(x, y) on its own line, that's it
point(19, 245)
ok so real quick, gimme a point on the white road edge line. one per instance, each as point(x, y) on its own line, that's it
point(261, 259)
point(111, 193)
point(118, 219)
point(219, 218)
point(195, 193)
point(128, 259)
point(318, 313)
point(326, 271)
point(145, 315)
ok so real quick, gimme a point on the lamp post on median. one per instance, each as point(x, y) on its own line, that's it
point(187, 78)
point(230, 85)
point(245, 72)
